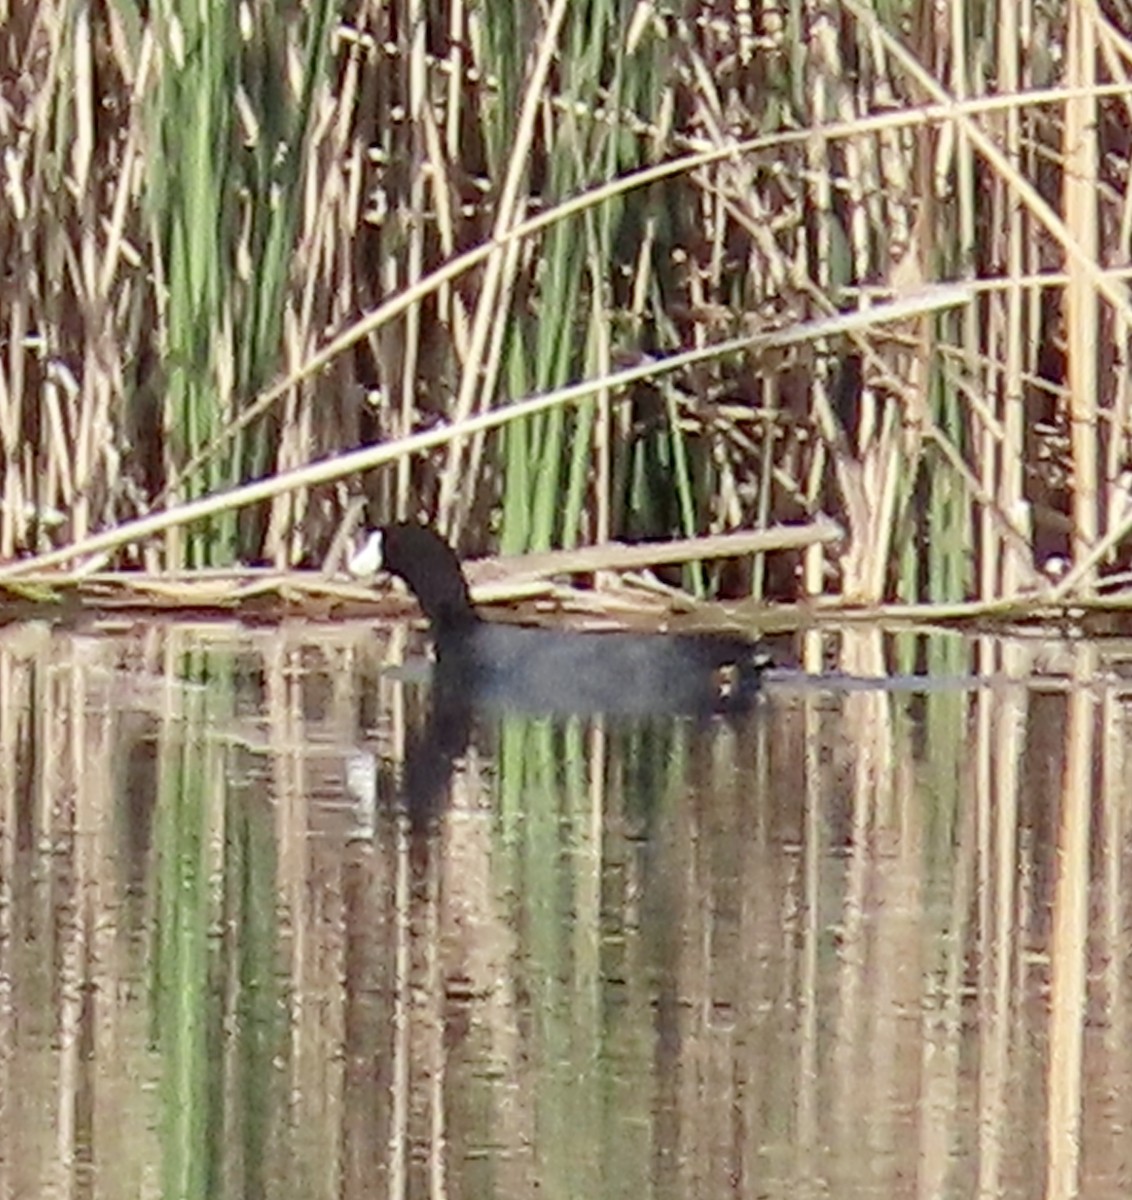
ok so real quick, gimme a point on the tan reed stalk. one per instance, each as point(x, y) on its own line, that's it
point(1082, 306)
point(1007, 570)
point(341, 465)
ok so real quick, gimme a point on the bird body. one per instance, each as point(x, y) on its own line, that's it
point(558, 671)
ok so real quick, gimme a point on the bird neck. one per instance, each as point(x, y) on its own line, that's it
point(451, 616)
point(449, 607)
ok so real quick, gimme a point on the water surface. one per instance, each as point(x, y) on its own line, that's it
point(858, 943)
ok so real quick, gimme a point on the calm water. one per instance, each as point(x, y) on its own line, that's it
point(265, 930)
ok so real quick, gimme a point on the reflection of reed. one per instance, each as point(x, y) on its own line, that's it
point(70, 953)
point(841, 944)
point(1069, 943)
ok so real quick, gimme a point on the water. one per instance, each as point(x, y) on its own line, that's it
point(863, 942)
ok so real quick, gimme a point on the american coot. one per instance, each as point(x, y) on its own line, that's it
point(541, 670)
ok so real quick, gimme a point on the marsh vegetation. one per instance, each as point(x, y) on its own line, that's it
point(327, 250)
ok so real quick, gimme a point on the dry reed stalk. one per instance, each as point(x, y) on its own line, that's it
point(1010, 317)
point(344, 464)
point(1082, 306)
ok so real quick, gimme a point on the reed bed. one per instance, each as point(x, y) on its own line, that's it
point(243, 243)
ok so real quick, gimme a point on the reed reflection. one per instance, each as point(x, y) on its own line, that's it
point(847, 940)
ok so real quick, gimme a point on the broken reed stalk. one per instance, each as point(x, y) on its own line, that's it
point(343, 465)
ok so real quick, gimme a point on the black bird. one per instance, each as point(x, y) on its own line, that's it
point(540, 670)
